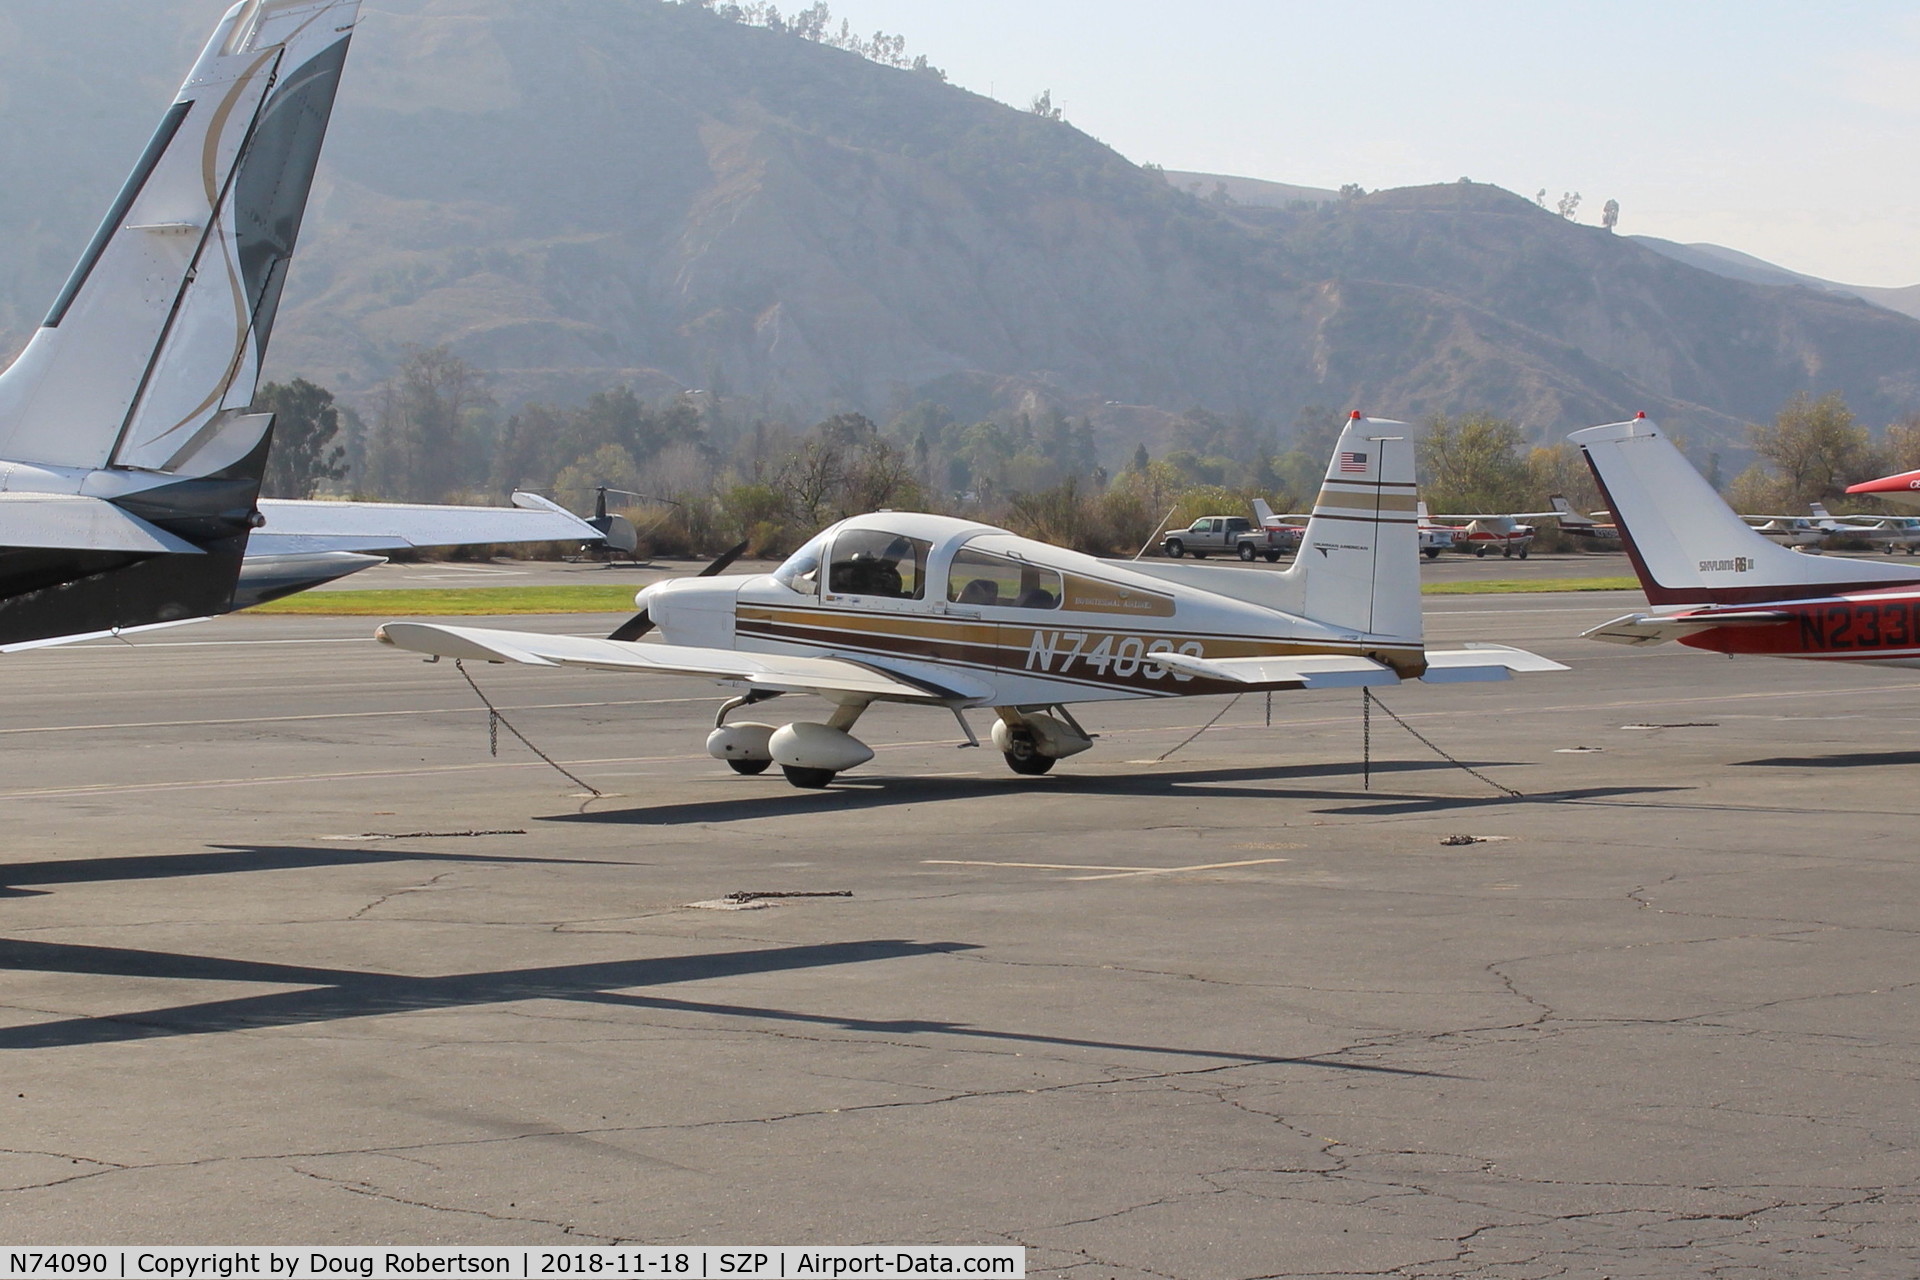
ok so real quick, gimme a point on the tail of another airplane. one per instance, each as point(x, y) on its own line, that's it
point(1687, 546)
point(135, 461)
point(157, 338)
point(1569, 518)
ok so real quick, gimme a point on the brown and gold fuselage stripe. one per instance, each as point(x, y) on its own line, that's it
point(1113, 657)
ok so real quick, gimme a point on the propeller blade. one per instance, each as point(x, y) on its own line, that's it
point(725, 561)
point(639, 624)
point(633, 628)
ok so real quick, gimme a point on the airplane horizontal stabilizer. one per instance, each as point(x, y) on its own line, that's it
point(1653, 628)
point(831, 678)
point(1306, 671)
point(294, 525)
point(73, 522)
point(1478, 662)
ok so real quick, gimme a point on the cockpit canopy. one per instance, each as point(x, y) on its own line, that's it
point(940, 561)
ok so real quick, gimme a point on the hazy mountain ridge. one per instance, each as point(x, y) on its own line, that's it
point(595, 193)
point(1721, 260)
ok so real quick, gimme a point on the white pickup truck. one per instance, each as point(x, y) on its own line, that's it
point(1235, 535)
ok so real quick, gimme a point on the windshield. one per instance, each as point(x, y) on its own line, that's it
point(801, 572)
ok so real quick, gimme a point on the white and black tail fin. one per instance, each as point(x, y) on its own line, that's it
point(1569, 518)
point(1687, 545)
point(1358, 567)
point(150, 354)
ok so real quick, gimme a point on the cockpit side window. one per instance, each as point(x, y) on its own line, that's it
point(801, 572)
point(872, 562)
point(981, 578)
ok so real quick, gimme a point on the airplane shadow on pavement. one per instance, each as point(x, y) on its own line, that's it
point(1835, 760)
point(225, 860)
point(328, 995)
point(769, 797)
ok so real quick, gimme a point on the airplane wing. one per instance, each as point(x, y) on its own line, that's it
point(1653, 628)
point(1479, 662)
point(73, 522)
point(295, 526)
point(1305, 671)
point(832, 678)
point(1350, 671)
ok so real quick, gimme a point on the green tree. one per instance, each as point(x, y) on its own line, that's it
point(1473, 464)
point(305, 424)
point(1815, 449)
point(425, 443)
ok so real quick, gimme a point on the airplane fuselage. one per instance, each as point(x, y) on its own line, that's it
point(1067, 652)
point(1875, 628)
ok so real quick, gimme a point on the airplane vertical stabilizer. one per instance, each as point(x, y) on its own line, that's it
point(1687, 545)
point(132, 400)
point(1358, 567)
point(158, 336)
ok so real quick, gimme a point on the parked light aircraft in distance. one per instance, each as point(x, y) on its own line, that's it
point(1483, 533)
point(130, 461)
point(1893, 532)
point(1582, 528)
point(1787, 531)
point(1715, 583)
point(1292, 529)
point(943, 612)
point(1889, 533)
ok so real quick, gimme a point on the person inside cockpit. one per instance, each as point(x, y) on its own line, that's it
point(868, 562)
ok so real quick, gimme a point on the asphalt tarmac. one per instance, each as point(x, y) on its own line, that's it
point(290, 958)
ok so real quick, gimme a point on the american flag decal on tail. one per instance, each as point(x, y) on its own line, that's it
point(1353, 464)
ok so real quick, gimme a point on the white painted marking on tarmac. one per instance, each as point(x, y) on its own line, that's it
point(1108, 873)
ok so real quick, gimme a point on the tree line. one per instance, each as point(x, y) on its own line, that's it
point(696, 474)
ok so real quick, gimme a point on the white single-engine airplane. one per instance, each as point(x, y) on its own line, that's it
point(942, 612)
point(130, 458)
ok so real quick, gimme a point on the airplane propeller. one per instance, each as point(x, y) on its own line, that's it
point(639, 624)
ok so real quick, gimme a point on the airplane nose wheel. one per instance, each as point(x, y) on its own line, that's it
point(1023, 755)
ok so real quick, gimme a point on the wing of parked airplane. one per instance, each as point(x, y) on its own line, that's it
point(832, 678)
point(309, 526)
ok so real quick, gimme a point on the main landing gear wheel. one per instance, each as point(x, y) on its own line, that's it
point(1024, 757)
point(811, 779)
point(1523, 553)
point(748, 766)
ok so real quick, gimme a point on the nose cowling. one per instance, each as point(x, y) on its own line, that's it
point(692, 611)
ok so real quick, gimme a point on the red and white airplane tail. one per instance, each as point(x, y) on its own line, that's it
point(1687, 545)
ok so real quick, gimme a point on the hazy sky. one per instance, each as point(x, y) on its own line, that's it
point(1789, 131)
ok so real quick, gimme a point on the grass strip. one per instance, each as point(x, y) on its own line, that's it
point(456, 602)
